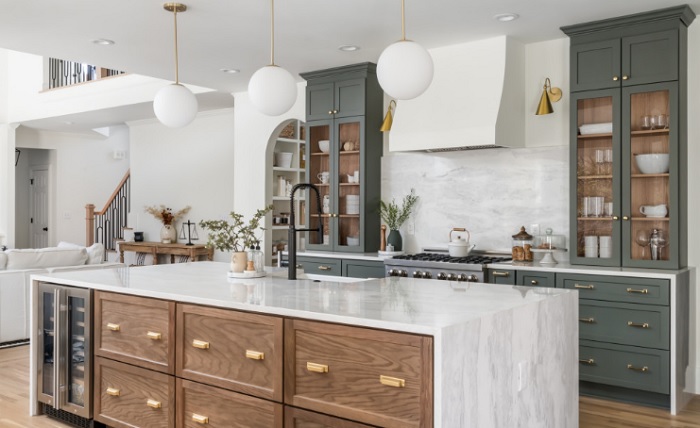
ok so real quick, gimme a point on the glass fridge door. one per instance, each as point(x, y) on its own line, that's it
point(47, 316)
point(77, 352)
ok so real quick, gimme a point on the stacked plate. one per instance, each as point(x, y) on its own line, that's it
point(352, 204)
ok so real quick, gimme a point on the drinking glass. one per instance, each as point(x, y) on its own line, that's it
point(599, 161)
point(642, 239)
point(661, 121)
point(608, 161)
point(646, 122)
point(597, 206)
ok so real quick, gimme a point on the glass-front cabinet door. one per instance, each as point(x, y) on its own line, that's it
point(77, 349)
point(651, 176)
point(320, 149)
point(348, 183)
point(47, 354)
point(595, 237)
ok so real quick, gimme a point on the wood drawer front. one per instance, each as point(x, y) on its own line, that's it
point(356, 358)
point(299, 418)
point(321, 266)
point(128, 396)
point(135, 330)
point(625, 324)
point(617, 289)
point(234, 350)
point(535, 279)
point(201, 405)
point(608, 364)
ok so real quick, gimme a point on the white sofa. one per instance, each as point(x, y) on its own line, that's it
point(16, 268)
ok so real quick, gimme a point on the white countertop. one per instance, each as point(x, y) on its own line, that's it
point(403, 304)
point(598, 270)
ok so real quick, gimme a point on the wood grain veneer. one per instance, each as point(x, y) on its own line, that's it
point(299, 418)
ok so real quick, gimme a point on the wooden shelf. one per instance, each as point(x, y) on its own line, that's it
point(594, 218)
point(350, 152)
point(650, 219)
point(594, 136)
point(646, 132)
point(349, 184)
point(650, 175)
point(320, 154)
point(349, 216)
point(595, 177)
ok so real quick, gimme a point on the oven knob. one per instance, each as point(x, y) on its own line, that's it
point(461, 277)
point(417, 274)
point(392, 272)
point(427, 275)
point(403, 273)
point(451, 277)
point(441, 275)
point(473, 278)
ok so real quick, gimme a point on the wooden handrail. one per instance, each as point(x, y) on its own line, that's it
point(114, 194)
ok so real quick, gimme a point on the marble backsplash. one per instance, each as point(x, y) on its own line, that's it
point(490, 192)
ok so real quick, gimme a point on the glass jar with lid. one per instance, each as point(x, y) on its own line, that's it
point(522, 246)
point(550, 241)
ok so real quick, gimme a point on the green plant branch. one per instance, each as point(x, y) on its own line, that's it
point(393, 215)
point(234, 234)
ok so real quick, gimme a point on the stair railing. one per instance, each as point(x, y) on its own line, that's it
point(107, 226)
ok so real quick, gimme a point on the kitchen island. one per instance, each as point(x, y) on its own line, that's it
point(444, 354)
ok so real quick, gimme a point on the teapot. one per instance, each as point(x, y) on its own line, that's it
point(458, 246)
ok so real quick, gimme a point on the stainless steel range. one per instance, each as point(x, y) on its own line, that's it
point(436, 265)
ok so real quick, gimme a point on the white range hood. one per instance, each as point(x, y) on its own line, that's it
point(476, 100)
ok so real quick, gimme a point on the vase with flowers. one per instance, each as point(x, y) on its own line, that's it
point(234, 235)
point(168, 233)
point(394, 216)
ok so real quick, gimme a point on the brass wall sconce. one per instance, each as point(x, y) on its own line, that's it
point(388, 119)
point(549, 94)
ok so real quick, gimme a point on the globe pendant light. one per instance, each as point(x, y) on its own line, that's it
point(272, 89)
point(405, 68)
point(175, 106)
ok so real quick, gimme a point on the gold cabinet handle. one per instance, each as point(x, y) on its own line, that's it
point(587, 320)
point(642, 291)
point(392, 381)
point(113, 327)
point(200, 419)
point(501, 274)
point(589, 361)
point(625, 77)
point(316, 368)
point(114, 392)
point(615, 78)
point(200, 344)
point(584, 287)
point(335, 111)
point(330, 111)
point(254, 355)
point(616, 217)
point(637, 324)
point(154, 335)
point(624, 217)
point(154, 404)
point(644, 369)
point(324, 267)
point(534, 282)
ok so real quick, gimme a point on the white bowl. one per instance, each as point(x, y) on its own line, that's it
point(324, 145)
point(655, 163)
point(283, 159)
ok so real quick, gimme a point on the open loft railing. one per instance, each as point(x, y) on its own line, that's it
point(66, 73)
point(107, 226)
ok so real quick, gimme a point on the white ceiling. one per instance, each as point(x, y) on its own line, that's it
point(235, 34)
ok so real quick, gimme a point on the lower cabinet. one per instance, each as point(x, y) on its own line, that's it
point(501, 276)
point(298, 418)
point(320, 266)
point(363, 269)
point(535, 279)
point(354, 268)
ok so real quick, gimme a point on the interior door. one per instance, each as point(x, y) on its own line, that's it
point(39, 200)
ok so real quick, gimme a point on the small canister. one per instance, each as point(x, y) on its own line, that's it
point(522, 246)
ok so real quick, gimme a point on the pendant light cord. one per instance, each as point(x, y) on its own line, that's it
point(177, 72)
point(272, 32)
point(403, 20)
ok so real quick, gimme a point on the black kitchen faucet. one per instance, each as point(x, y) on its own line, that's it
point(292, 245)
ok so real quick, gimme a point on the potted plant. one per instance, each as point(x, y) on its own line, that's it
point(234, 235)
point(394, 216)
point(165, 215)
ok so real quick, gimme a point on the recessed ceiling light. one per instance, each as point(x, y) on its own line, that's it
point(103, 42)
point(230, 70)
point(506, 17)
point(349, 48)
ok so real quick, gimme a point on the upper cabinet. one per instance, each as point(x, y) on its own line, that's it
point(343, 152)
point(628, 140)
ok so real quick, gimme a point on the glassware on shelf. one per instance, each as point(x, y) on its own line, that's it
point(600, 161)
point(642, 239)
point(657, 241)
point(646, 122)
point(608, 161)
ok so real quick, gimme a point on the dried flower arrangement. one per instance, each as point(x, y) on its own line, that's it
point(165, 214)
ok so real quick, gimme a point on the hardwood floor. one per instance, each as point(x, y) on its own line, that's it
point(593, 413)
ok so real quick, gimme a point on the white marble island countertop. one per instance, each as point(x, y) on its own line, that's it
point(401, 304)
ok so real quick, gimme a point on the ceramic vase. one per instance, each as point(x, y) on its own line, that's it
point(168, 234)
point(239, 259)
point(395, 240)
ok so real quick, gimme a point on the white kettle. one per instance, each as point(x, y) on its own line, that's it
point(458, 246)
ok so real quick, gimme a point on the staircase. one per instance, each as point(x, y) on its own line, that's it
point(107, 226)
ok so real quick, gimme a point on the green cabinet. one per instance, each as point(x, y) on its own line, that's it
point(354, 268)
point(320, 265)
point(343, 153)
point(501, 276)
point(534, 278)
point(363, 269)
point(628, 104)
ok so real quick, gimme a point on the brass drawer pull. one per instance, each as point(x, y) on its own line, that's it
point(589, 361)
point(254, 355)
point(113, 327)
point(154, 336)
point(584, 287)
point(625, 77)
point(587, 320)
point(642, 291)
point(637, 324)
point(200, 419)
point(200, 344)
point(392, 381)
point(114, 392)
point(324, 267)
point(317, 368)
point(153, 404)
point(501, 274)
point(615, 78)
point(644, 369)
point(534, 282)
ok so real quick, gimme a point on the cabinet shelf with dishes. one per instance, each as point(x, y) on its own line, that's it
point(287, 167)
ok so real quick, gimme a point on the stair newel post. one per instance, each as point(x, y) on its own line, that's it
point(89, 224)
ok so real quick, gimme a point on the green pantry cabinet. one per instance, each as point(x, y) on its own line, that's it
point(346, 266)
point(344, 145)
point(633, 329)
point(629, 73)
